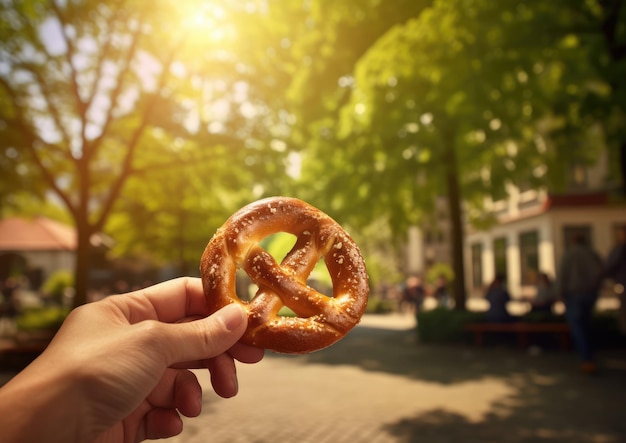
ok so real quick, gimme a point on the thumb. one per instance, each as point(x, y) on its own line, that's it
point(207, 337)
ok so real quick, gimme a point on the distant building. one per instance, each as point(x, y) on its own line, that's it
point(534, 228)
point(38, 247)
point(429, 243)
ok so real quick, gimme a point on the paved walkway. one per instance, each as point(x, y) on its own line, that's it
point(379, 385)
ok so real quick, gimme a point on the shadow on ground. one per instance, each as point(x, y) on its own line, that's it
point(524, 425)
point(399, 352)
point(551, 400)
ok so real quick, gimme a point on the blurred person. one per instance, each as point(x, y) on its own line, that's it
point(441, 293)
point(118, 369)
point(10, 288)
point(498, 297)
point(615, 269)
point(579, 279)
point(413, 294)
point(545, 296)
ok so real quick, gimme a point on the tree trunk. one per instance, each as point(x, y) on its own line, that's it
point(83, 265)
point(183, 268)
point(622, 163)
point(456, 222)
point(83, 234)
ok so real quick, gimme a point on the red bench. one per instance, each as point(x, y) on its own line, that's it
point(522, 330)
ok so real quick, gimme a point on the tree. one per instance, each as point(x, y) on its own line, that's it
point(80, 104)
point(86, 86)
point(432, 109)
point(171, 207)
point(588, 40)
point(456, 98)
point(417, 117)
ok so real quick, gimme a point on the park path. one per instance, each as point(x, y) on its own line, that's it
point(380, 385)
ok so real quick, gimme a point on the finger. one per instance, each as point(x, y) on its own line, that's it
point(180, 389)
point(204, 338)
point(223, 375)
point(188, 394)
point(162, 423)
point(245, 353)
point(168, 302)
point(240, 352)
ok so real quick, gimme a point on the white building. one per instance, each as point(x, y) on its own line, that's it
point(534, 228)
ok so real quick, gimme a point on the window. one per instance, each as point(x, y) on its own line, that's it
point(529, 256)
point(477, 265)
point(499, 255)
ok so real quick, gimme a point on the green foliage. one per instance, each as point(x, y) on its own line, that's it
point(376, 305)
point(442, 325)
point(155, 123)
point(112, 107)
point(286, 312)
point(437, 270)
point(57, 283)
point(42, 318)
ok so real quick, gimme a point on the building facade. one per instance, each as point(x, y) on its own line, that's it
point(535, 227)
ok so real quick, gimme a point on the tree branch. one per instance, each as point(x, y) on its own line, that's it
point(52, 109)
point(80, 104)
point(132, 145)
point(103, 55)
point(115, 93)
point(31, 139)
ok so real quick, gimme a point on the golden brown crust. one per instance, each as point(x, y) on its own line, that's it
point(321, 320)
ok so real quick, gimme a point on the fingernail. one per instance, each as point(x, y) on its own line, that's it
point(235, 382)
point(233, 316)
point(199, 403)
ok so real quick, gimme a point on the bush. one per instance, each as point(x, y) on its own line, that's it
point(42, 318)
point(57, 283)
point(543, 317)
point(447, 326)
point(443, 325)
point(437, 270)
point(377, 305)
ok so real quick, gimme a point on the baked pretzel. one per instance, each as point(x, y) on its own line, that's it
point(321, 320)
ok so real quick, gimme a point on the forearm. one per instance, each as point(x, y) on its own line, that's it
point(40, 404)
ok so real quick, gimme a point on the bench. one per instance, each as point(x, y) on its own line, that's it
point(522, 330)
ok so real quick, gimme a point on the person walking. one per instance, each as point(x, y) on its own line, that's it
point(580, 275)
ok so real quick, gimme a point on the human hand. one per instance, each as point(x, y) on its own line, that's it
point(118, 369)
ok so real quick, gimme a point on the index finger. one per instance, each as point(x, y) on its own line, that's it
point(168, 302)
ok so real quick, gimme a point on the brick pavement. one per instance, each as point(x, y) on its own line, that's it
point(379, 385)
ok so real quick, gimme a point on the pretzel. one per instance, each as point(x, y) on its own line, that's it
point(321, 320)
